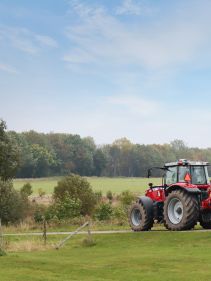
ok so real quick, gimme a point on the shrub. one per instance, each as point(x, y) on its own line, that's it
point(76, 188)
point(109, 195)
point(98, 196)
point(13, 206)
point(64, 209)
point(126, 198)
point(120, 215)
point(40, 211)
point(26, 189)
point(41, 192)
point(104, 211)
point(88, 242)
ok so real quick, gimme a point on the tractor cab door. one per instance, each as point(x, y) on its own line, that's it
point(170, 176)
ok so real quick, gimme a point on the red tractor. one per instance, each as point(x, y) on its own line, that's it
point(183, 199)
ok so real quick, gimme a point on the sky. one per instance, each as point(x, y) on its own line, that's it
point(108, 69)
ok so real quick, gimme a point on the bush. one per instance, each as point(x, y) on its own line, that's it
point(98, 196)
point(120, 215)
point(77, 189)
point(26, 189)
point(88, 242)
point(109, 195)
point(41, 192)
point(40, 211)
point(126, 198)
point(13, 206)
point(104, 212)
point(64, 209)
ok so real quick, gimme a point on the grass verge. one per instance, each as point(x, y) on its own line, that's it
point(165, 256)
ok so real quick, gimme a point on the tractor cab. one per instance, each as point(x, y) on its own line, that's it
point(183, 171)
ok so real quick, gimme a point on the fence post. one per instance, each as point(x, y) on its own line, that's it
point(44, 231)
point(1, 237)
point(89, 230)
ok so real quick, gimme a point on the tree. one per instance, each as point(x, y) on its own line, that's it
point(76, 188)
point(9, 154)
point(44, 160)
point(100, 161)
point(13, 206)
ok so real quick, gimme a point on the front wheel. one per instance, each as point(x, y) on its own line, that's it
point(181, 211)
point(139, 218)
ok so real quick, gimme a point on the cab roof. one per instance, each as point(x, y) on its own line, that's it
point(184, 162)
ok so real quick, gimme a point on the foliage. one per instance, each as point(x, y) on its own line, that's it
point(77, 189)
point(9, 154)
point(2, 253)
point(98, 196)
point(13, 206)
point(109, 195)
point(41, 192)
point(104, 211)
point(120, 215)
point(26, 189)
point(66, 208)
point(51, 154)
point(126, 198)
point(40, 211)
point(88, 242)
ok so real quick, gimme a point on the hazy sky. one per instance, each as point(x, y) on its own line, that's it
point(108, 69)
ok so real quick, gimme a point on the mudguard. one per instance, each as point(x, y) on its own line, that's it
point(147, 204)
point(190, 189)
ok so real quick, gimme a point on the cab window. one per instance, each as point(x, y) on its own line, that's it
point(198, 175)
point(171, 175)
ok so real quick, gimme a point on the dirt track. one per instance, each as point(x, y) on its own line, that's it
point(96, 232)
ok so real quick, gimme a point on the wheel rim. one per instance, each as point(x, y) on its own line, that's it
point(175, 211)
point(136, 217)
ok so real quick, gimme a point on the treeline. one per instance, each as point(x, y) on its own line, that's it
point(54, 154)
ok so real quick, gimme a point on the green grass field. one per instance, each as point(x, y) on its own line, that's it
point(165, 256)
point(116, 185)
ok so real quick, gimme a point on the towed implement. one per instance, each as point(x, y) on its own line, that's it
point(183, 199)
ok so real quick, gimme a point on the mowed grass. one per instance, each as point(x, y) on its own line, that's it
point(164, 256)
point(116, 185)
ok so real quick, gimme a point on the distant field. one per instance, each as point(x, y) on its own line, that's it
point(157, 256)
point(116, 185)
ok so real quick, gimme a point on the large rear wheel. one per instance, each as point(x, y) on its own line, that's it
point(139, 218)
point(181, 211)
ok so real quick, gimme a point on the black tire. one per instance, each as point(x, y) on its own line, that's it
point(181, 211)
point(139, 218)
point(205, 220)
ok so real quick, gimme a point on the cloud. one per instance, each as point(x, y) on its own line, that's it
point(25, 40)
point(106, 39)
point(131, 7)
point(135, 105)
point(8, 68)
point(46, 40)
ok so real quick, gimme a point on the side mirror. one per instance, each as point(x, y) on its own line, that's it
point(150, 185)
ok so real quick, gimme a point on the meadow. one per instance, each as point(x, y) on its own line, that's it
point(130, 256)
point(116, 185)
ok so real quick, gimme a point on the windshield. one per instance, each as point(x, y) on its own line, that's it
point(183, 170)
